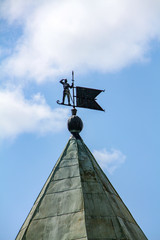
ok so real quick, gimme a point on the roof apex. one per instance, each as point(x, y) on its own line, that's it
point(79, 202)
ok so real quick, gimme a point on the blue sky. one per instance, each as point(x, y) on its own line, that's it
point(111, 45)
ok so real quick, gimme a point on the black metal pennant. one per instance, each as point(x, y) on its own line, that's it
point(86, 98)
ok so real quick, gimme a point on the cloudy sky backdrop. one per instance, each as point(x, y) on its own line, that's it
point(110, 44)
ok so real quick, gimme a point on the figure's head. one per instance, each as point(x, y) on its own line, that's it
point(65, 80)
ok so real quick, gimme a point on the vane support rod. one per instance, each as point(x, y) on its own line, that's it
point(73, 89)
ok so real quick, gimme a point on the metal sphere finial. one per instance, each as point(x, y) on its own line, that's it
point(75, 124)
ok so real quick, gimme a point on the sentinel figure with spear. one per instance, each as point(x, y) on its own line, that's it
point(84, 97)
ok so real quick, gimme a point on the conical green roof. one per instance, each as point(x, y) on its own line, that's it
point(78, 202)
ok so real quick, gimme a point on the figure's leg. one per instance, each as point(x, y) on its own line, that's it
point(64, 95)
point(68, 96)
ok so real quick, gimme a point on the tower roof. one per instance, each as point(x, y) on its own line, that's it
point(79, 202)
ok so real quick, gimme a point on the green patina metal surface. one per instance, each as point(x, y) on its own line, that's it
point(78, 202)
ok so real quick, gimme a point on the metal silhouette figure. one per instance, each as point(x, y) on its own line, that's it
point(66, 91)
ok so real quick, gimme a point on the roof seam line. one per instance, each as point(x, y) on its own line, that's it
point(55, 180)
point(37, 219)
point(69, 166)
point(63, 178)
point(82, 187)
point(63, 191)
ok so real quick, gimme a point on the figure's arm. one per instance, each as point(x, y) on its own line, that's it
point(61, 81)
point(71, 86)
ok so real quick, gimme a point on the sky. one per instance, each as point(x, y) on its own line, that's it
point(112, 45)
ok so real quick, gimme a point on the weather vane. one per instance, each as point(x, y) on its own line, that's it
point(84, 97)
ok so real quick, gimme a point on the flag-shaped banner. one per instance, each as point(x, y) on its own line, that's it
point(86, 98)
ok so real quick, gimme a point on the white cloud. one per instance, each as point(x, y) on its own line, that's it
point(109, 160)
point(82, 35)
point(19, 115)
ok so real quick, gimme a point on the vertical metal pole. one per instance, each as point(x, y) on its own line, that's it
point(73, 89)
